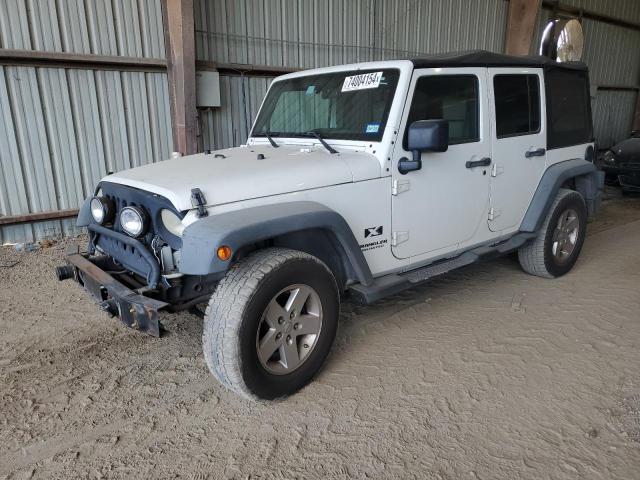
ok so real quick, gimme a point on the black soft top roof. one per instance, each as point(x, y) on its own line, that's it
point(483, 58)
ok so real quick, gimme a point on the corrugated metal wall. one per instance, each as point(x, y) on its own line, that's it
point(317, 33)
point(313, 33)
point(62, 129)
point(613, 56)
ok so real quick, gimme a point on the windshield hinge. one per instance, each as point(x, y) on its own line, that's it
point(400, 186)
point(198, 201)
point(399, 237)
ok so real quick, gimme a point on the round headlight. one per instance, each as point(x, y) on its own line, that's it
point(133, 221)
point(172, 222)
point(609, 157)
point(101, 209)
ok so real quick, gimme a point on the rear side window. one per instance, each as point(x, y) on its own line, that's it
point(517, 99)
point(568, 108)
point(450, 97)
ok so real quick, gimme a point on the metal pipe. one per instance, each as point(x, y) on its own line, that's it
point(619, 88)
point(590, 14)
point(244, 68)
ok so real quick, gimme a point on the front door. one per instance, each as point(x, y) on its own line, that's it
point(445, 203)
point(518, 144)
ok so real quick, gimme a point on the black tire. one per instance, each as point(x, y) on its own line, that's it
point(236, 312)
point(537, 257)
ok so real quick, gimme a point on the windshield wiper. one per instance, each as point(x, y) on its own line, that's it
point(321, 140)
point(271, 141)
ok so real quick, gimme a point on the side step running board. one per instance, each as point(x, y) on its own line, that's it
point(425, 273)
point(394, 283)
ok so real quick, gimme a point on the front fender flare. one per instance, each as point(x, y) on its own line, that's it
point(247, 226)
point(84, 215)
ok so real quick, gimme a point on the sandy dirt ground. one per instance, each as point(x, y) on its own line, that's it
point(485, 373)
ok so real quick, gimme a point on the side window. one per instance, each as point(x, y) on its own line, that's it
point(451, 97)
point(517, 100)
point(568, 108)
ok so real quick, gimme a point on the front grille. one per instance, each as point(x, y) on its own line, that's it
point(125, 196)
point(119, 204)
point(126, 251)
point(136, 255)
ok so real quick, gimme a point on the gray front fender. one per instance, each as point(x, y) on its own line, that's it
point(84, 215)
point(240, 228)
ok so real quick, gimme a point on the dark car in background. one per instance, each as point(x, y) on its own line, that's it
point(621, 163)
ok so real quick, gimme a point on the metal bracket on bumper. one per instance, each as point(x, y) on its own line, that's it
point(133, 309)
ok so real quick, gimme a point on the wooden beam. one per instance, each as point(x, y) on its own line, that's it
point(181, 55)
point(39, 216)
point(83, 61)
point(520, 24)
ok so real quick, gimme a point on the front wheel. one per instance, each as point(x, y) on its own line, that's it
point(556, 248)
point(271, 322)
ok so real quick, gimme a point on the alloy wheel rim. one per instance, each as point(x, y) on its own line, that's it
point(565, 235)
point(289, 329)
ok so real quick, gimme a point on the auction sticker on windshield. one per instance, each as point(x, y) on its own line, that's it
point(362, 82)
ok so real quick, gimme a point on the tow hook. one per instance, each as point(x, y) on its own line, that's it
point(110, 307)
point(65, 272)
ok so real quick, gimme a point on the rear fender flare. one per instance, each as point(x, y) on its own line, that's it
point(587, 179)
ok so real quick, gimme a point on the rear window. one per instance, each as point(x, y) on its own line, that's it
point(517, 99)
point(568, 108)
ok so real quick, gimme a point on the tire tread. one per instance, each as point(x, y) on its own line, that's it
point(225, 311)
point(532, 256)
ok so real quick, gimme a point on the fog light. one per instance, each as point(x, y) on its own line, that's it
point(224, 253)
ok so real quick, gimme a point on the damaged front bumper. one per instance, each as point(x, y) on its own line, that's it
point(134, 310)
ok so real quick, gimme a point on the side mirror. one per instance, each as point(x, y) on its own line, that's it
point(424, 136)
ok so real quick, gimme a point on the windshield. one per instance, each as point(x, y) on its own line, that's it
point(351, 105)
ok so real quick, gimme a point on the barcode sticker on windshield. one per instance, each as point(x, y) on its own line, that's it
point(362, 82)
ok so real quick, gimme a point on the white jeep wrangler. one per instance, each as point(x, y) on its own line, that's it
point(365, 179)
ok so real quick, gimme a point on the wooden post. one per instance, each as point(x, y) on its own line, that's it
point(520, 24)
point(181, 62)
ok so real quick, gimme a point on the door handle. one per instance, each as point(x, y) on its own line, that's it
point(483, 162)
point(537, 152)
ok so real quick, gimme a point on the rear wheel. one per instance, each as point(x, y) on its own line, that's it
point(270, 323)
point(557, 246)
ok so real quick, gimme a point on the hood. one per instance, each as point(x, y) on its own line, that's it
point(628, 150)
point(236, 174)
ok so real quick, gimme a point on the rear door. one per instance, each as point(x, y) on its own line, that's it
point(518, 142)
